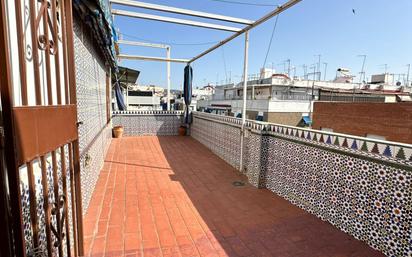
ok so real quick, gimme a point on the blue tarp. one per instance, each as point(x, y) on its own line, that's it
point(119, 97)
point(187, 91)
point(307, 120)
point(96, 14)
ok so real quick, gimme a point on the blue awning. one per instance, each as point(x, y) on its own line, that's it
point(96, 14)
point(307, 120)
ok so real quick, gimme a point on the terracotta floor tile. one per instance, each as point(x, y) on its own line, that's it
point(170, 196)
point(152, 252)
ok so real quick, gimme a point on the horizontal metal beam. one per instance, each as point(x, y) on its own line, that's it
point(268, 16)
point(174, 20)
point(149, 58)
point(170, 9)
point(135, 43)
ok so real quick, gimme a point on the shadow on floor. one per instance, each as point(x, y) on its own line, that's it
point(171, 196)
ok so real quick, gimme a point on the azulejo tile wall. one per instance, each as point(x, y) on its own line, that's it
point(364, 192)
point(40, 203)
point(223, 139)
point(94, 133)
point(144, 123)
point(368, 199)
point(91, 163)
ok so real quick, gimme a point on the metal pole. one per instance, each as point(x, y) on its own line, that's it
point(174, 20)
point(326, 67)
point(149, 58)
point(305, 71)
point(144, 44)
point(273, 13)
point(407, 75)
point(386, 68)
point(288, 61)
point(168, 77)
point(362, 74)
point(127, 95)
point(170, 9)
point(245, 70)
point(313, 88)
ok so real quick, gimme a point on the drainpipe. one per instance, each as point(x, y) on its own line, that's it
point(245, 70)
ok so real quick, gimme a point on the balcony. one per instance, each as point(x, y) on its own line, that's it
point(302, 193)
point(299, 192)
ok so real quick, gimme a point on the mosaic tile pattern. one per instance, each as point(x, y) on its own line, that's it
point(90, 87)
point(256, 159)
point(370, 200)
point(391, 151)
point(94, 133)
point(220, 138)
point(91, 163)
point(25, 201)
point(144, 123)
point(352, 182)
point(25, 206)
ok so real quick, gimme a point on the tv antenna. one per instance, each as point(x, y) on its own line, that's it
point(362, 73)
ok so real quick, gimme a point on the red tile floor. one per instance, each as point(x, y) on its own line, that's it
point(171, 196)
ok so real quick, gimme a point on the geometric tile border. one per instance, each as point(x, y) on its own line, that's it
point(144, 123)
point(387, 150)
point(360, 185)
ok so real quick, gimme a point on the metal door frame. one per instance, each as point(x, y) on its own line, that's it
point(14, 132)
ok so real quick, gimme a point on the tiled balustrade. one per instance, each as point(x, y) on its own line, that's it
point(144, 123)
point(360, 185)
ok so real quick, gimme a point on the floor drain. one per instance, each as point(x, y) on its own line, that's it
point(238, 183)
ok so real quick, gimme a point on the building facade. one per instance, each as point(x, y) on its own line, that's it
point(385, 121)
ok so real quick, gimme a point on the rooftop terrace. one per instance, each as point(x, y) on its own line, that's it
point(232, 187)
point(171, 196)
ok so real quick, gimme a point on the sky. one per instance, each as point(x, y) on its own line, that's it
point(380, 29)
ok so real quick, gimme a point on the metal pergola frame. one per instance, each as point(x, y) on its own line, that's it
point(237, 32)
point(162, 46)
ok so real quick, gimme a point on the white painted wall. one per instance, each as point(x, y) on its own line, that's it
point(262, 105)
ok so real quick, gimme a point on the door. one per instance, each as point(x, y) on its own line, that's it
point(38, 99)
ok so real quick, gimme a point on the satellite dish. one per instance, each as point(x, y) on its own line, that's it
point(398, 83)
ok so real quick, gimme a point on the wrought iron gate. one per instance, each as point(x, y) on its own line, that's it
point(38, 93)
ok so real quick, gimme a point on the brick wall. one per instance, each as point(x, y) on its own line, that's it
point(390, 120)
point(285, 118)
